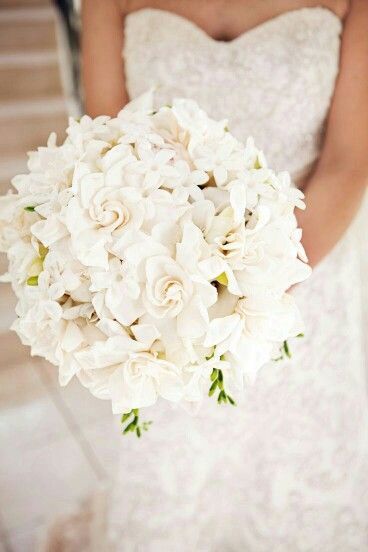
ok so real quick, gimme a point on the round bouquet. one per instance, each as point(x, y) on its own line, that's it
point(151, 254)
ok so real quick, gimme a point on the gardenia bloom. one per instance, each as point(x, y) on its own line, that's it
point(116, 293)
point(171, 293)
point(256, 325)
point(99, 216)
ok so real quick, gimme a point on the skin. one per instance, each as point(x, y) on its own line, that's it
point(336, 186)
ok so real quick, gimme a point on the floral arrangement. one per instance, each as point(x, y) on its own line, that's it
point(151, 255)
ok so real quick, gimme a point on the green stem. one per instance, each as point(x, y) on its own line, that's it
point(217, 379)
point(133, 425)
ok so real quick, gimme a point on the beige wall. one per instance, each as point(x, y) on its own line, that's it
point(31, 96)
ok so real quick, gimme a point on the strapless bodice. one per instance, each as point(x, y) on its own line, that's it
point(274, 82)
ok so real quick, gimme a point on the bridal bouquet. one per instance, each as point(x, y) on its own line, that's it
point(151, 254)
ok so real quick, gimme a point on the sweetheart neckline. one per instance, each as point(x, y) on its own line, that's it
point(244, 34)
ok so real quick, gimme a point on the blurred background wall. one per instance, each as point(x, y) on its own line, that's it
point(31, 93)
point(56, 445)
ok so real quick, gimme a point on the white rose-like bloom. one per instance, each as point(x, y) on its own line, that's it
point(171, 293)
point(100, 216)
point(175, 288)
point(168, 287)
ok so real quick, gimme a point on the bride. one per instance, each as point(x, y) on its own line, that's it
point(287, 470)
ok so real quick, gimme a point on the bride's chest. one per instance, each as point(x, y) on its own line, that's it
point(278, 75)
point(298, 49)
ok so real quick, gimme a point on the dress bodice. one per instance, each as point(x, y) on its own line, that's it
point(274, 82)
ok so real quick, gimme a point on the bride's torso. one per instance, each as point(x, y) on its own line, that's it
point(210, 482)
point(274, 81)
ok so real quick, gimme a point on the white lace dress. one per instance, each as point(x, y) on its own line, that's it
point(287, 469)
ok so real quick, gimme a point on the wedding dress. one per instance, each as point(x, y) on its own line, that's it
point(287, 469)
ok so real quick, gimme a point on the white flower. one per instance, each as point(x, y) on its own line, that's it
point(63, 274)
point(190, 180)
point(155, 166)
point(99, 216)
point(141, 379)
point(117, 292)
point(227, 235)
point(219, 158)
point(196, 121)
point(269, 258)
point(250, 333)
point(168, 288)
point(176, 289)
point(171, 293)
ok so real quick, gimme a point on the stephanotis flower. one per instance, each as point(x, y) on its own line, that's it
point(116, 292)
point(220, 159)
point(151, 254)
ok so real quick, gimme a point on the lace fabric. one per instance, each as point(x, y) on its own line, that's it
point(273, 82)
point(287, 469)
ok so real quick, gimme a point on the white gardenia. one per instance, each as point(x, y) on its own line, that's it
point(152, 254)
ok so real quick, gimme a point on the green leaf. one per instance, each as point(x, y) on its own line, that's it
point(212, 389)
point(32, 281)
point(129, 427)
point(134, 426)
point(29, 208)
point(286, 349)
point(300, 335)
point(125, 416)
point(231, 400)
point(214, 374)
point(222, 397)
